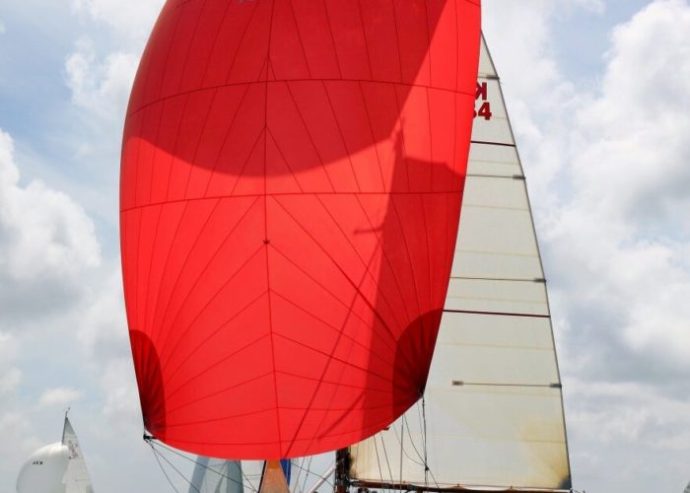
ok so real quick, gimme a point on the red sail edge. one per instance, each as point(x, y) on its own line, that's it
point(291, 180)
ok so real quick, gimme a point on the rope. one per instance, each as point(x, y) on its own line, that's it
point(426, 453)
point(308, 472)
point(402, 451)
point(247, 485)
point(155, 454)
point(179, 473)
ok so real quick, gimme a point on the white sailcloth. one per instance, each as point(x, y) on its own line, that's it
point(216, 476)
point(56, 468)
point(493, 406)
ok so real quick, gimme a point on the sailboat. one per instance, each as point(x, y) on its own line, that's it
point(56, 468)
point(291, 187)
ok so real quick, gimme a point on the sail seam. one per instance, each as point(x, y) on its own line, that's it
point(278, 81)
point(288, 194)
point(266, 235)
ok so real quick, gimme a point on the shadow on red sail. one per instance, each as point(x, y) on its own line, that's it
point(412, 283)
point(212, 94)
point(150, 383)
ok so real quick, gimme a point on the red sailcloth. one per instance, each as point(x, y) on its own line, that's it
point(291, 180)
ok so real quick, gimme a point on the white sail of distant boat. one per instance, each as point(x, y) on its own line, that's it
point(216, 476)
point(492, 416)
point(213, 475)
point(56, 468)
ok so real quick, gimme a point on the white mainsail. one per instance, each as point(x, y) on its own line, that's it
point(56, 468)
point(492, 414)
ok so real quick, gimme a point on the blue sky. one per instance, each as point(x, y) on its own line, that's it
point(599, 96)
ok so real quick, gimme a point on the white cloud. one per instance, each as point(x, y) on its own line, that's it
point(639, 125)
point(59, 397)
point(121, 406)
point(609, 178)
point(130, 19)
point(10, 376)
point(16, 430)
point(627, 226)
point(100, 86)
point(9, 380)
point(99, 74)
point(47, 244)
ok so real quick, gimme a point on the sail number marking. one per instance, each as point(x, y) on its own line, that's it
point(482, 96)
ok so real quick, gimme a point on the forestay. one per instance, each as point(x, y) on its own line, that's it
point(493, 406)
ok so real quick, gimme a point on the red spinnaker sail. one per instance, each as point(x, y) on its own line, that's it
point(292, 173)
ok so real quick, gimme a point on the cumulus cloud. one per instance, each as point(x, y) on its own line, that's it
point(100, 86)
point(122, 400)
point(59, 397)
point(99, 74)
point(626, 224)
point(48, 251)
point(16, 430)
point(639, 126)
point(610, 182)
point(47, 244)
point(10, 376)
point(130, 19)
point(15, 426)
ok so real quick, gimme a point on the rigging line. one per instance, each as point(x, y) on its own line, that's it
point(324, 479)
point(178, 471)
point(299, 472)
point(378, 458)
point(306, 476)
point(388, 464)
point(189, 459)
point(409, 434)
point(424, 437)
point(307, 470)
point(402, 451)
point(422, 425)
point(310, 472)
point(155, 454)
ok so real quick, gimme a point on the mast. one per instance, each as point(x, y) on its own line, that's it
point(493, 415)
point(342, 468)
